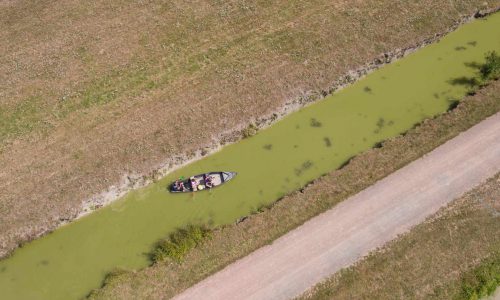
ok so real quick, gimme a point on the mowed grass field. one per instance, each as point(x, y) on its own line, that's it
point(166, 278)
point(91, 91)
point(438, 259)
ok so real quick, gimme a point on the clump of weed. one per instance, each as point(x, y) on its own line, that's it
point(328, 142)
point(380, 125)
point(315, 123)
point(204, 151)
point(251, 130)
point(304, 167)
point(179, 243)
point(490, 70)
point(482, 281)
point(115, 273)
point(453, 104)
point(109, 279)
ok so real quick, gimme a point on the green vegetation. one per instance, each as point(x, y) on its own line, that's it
point(490, 70)
point(105, 89)
point(482, 281)
point(20, 119)
point(112, 275)
point(180, 243)
point(249, 131)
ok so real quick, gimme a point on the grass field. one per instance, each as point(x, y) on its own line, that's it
point(451, 256)
point(234, 241)
point(92, 91)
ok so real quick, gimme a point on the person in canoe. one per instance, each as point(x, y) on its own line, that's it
point(193, 183)
point(179, 185)
point(208, 181)
point(176, 185)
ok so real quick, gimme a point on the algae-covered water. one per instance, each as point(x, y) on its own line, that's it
point(74, 259)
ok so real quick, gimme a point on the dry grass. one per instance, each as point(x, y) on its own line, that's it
point(431, 260)
point(231, 242)
point(90, 91)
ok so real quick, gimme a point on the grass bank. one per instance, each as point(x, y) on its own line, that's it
point(231, 242)
point(453, 255)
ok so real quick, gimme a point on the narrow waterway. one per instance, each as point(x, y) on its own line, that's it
point(74, 259)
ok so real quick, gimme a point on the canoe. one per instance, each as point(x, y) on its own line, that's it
point(201, 182)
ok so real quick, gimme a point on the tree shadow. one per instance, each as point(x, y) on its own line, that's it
point(473, 65)
point(464, 81)
point(472, 43)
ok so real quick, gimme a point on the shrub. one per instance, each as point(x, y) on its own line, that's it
point(178, 244)
point(251, 130)
point(490, 70)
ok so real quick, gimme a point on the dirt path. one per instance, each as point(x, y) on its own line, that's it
point(340, 236)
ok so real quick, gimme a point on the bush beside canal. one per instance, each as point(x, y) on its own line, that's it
point(490, 70)
point(179, 243)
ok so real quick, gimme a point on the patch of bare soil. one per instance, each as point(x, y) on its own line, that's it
point(94, 92)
